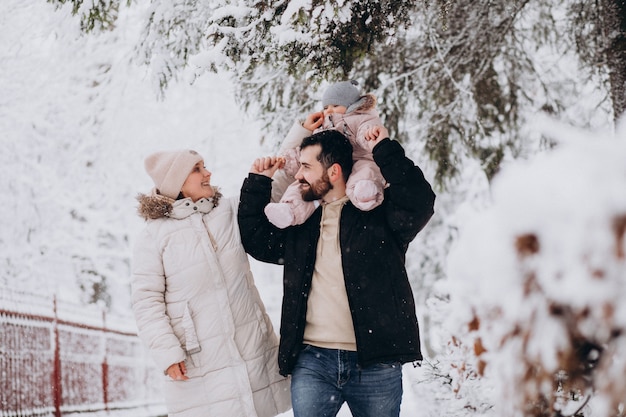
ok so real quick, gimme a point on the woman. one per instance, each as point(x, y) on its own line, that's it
point(195, 301)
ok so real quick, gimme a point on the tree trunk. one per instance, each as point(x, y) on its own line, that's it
point(614, 25)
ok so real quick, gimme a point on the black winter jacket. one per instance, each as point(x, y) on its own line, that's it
point(373, 248)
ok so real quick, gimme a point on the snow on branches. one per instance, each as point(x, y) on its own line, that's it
point(538, 281)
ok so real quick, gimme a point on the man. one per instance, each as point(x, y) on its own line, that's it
point(348, 314)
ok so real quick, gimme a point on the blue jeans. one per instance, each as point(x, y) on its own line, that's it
point(323, 379)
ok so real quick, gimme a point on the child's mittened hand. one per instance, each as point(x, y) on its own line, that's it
point(291, 163)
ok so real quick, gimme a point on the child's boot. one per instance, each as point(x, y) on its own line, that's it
point(279, 214)
point(365, 195)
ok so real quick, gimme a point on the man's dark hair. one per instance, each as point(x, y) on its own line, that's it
point(336, 149)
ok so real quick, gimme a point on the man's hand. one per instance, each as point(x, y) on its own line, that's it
point(375, 134)
point(267, 165)
point(313, 121)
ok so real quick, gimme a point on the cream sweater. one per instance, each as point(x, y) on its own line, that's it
point(328, 318)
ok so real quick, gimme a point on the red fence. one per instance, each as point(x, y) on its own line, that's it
point(58, 359)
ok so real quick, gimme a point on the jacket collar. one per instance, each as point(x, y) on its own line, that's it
point(186, 207)
point(156, 206)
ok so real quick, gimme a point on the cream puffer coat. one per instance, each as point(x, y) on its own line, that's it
point(194, 299)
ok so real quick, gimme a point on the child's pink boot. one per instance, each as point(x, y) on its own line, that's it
point(365, 195)
point(279, 214)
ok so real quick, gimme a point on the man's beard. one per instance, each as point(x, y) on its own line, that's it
point(317, 190)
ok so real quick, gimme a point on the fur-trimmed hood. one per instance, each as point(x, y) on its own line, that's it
point(157, 206)
point(365, 103)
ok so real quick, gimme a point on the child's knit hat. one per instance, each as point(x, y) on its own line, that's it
point(169, 170)
point(343, 93)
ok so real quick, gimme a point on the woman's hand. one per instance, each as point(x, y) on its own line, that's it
point(178, 371)
point(313, 121)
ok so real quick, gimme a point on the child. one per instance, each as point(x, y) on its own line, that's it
point(352, 114)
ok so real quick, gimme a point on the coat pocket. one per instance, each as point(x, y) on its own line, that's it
point(192, 345)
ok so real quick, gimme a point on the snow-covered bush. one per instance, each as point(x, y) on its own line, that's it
point(538, 280)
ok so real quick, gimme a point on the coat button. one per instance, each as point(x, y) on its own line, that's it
point(195, 208)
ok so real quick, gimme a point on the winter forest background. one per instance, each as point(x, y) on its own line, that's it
point(512, 109)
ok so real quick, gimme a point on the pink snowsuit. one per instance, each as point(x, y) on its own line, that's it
point(365, 186)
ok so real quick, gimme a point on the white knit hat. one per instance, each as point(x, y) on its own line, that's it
point(169, 170)
point(343, 93)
